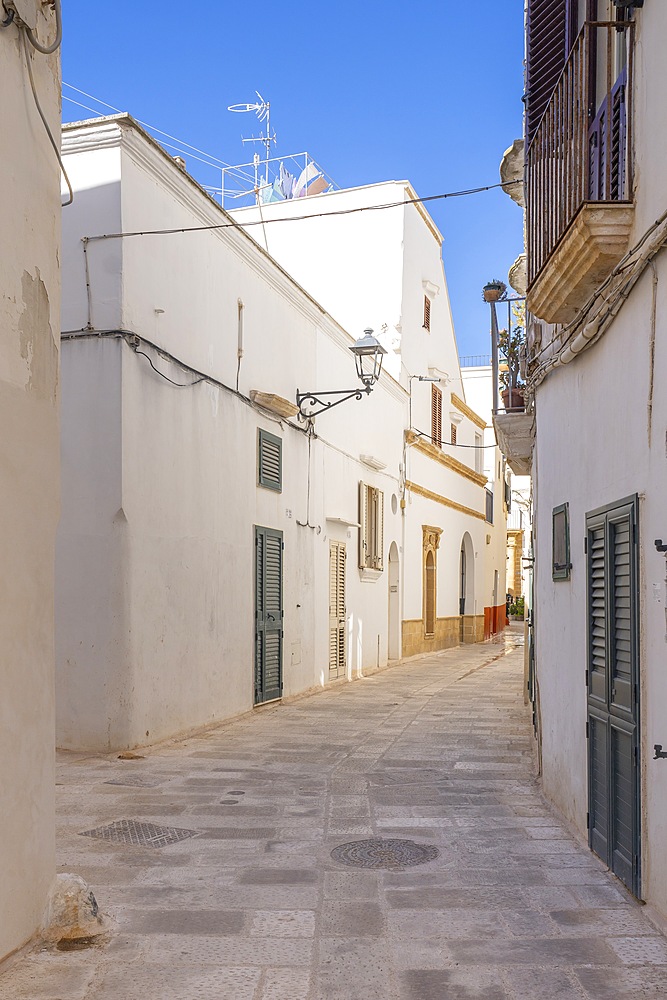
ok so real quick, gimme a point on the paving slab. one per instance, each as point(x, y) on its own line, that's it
point(214, 857)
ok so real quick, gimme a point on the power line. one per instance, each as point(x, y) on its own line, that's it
point(299, 218)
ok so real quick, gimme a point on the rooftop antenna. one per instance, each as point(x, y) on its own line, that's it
point(263, 111)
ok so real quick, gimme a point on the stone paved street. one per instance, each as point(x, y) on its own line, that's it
point(437, 751)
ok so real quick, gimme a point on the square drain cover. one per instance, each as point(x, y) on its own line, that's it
point(132, 831)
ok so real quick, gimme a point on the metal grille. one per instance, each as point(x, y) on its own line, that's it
point(388, 854)
point(132, 831)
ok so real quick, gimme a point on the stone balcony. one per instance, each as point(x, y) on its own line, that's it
point(515, 434)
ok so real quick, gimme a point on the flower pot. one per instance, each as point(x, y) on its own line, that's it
point(513, 399)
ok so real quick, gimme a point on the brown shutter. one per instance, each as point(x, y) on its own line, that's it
point(427, 313)
point(547, 33)
point(436, 416)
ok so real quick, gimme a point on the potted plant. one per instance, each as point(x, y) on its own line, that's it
point(494, 290)
point(511, 344)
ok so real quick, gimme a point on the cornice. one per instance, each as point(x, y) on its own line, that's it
point(465, 409)
point(438, 455)
point(445, 501)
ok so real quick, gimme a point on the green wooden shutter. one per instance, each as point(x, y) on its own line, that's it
point(613, 709)
point(268, 614)
point(269, 461)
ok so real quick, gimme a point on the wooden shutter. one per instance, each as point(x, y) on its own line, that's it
point(436, 416)
point(269, 461)
point(379, 530)
point(268, 614)
point(427, 313)
point(364, 525)
point(613, 690)
point(547, 24)
point(337, 556)
point(452, 433)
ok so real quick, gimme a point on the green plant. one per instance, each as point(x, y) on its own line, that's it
point(517, 608)
point(511, 345)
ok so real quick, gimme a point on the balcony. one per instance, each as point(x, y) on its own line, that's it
point(579, 174)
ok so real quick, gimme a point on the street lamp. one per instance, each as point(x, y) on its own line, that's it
point(368, 354)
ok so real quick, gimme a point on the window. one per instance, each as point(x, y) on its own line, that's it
point(488, 516)
point(371, 532)
point(561, 566)
point(479, 454)
point(436, 416)
point(508, 495)
point(452, 433)
point(269, 461)
point(427, 313)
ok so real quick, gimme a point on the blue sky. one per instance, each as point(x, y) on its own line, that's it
point(429, 92)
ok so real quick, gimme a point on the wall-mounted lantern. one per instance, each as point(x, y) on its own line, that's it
point(368, 353)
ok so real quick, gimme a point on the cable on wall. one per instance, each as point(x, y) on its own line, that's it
point(25, 35)
point(47, 49)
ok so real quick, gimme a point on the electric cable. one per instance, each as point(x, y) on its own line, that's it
point(179, 385)
point(451, 444)
point(47, 49)
point(24, 37)
point(299, 218)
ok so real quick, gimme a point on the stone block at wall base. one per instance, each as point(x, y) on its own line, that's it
point(450, 631)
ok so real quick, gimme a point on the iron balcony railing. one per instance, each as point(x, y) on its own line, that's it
point(581, 150)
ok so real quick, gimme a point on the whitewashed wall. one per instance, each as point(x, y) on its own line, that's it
point(156, 628)
point(29, 304)
point(593, 447)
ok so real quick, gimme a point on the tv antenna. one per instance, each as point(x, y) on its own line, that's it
point(263, 111)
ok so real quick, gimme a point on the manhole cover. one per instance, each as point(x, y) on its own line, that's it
point(390, 854)
point(132, 831)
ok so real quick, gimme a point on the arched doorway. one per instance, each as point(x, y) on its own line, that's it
point(394, 622)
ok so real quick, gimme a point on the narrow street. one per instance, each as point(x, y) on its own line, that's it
point(437, 751)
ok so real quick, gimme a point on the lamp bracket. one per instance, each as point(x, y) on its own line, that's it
point(307, 400)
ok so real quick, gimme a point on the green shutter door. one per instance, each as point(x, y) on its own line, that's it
point(613, 709)
point(268, 614)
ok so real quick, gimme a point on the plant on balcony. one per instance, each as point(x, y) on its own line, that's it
point(511, 344)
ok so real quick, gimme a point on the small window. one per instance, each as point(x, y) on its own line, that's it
point(371, 532)
point(452, 433)
point(561, 564)
point(269, 461)
point(427, 313)
point(488, 515)
point(436, 416)
point(479, 454)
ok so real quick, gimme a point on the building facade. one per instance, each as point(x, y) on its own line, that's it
point(597, 273)
point(217, 550)
point(29, 480)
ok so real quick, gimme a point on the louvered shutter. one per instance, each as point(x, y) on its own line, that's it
point(427, 313)
point(379, 530)
point(269, 461)
point(364, 526)
point(436, 416)
point(337, 554)
point(546, 42)
point(268, 614)
point(613, 689)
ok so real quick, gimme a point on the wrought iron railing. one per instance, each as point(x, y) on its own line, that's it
point(581, 150)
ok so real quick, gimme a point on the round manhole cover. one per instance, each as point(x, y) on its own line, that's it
point(378, 853)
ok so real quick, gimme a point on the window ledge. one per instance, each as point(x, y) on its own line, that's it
point(370, 575)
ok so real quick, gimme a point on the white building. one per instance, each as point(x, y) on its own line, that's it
point(597, 273)
point(215, 551)
point(29, 482)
